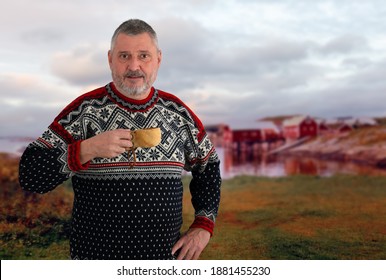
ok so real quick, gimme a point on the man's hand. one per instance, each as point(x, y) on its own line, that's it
point(192, 243)
point(108, 144)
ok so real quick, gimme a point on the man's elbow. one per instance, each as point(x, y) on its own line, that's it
point(30, 186)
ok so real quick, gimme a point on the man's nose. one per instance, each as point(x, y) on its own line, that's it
point(133, 64)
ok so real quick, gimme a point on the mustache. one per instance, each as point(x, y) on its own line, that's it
point(134, 74)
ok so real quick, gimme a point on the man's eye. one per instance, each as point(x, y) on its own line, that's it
point(144, 56)
point(124, 56)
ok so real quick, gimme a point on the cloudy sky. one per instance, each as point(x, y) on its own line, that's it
point(230, 61)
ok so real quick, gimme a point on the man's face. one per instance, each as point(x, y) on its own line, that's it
point(134, 63)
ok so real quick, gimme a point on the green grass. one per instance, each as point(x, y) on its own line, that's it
point(301, 217)
point(298, 217)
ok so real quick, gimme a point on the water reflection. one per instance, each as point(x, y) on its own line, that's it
point(258, 164)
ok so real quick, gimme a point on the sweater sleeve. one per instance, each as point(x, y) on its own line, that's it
point(49, 160)
point(55, 156)
point(205, 190)
point(205, 185)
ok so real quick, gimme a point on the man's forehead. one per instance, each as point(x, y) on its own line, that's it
point(141, 41)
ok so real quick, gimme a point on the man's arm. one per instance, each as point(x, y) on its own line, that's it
point(109, 144)
point(205, 190)
point(48, 162)
point(41, 169)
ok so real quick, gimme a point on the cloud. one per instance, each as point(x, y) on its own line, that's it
point(84, 65)
point(370, 77)
point(230, 60)
point(29, 89)
point(26, 121)
point(345, 44)
point(30, 103)
point(42, 36)
point(360, 93)
point(194, 58)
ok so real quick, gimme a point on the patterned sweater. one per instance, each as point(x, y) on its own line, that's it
point(121, 212)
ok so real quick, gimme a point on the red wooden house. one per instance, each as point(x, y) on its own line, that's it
point(256, 133)
point(247, 136)
point(299, 127)
point(335, 127)
point(345, 128)
point(323, 128)
point(221, 135)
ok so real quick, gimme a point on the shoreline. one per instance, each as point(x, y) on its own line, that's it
point(342, 149)
point(341, 157)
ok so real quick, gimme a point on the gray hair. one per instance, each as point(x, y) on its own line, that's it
point(134, 27)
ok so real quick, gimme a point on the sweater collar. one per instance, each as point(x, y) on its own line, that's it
point(129, 103)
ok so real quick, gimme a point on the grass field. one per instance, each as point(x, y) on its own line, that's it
point(298, 217)
point(301, 217)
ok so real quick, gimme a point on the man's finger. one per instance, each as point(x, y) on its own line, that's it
point(183, 252)
point(181, 256)
point(196, 255)
point(126, 143)
point(177, 246)
point(122, 133)
point(189, 255)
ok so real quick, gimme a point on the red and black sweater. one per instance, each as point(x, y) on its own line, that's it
point(121, 212)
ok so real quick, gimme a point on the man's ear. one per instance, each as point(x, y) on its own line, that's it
point(159, 57)
point(110, 57)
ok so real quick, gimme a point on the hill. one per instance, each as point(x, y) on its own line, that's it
point(381, 120)
point(365, 145)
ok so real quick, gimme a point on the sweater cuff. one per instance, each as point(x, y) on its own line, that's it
point(204, 223)
point(74, 157)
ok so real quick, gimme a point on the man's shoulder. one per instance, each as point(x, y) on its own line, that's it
point(172, 100)
point(96, 94)
point(93, 94)
point(166, 96)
